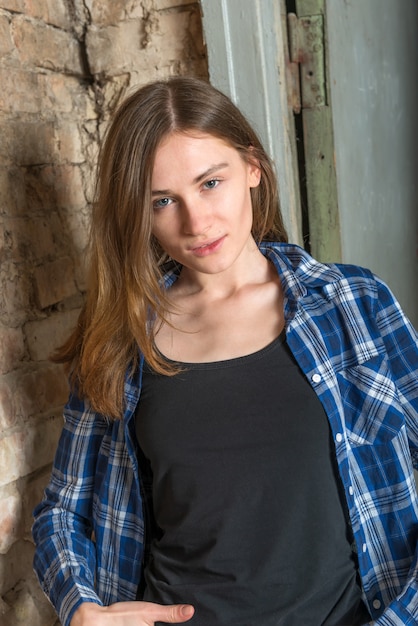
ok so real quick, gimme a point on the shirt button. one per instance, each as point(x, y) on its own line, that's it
point(350, 490)
point(377, 604)
point(339, 437)
point(316, 378)
point(364, 547)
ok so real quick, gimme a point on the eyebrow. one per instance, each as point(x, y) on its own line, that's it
point(211, 170)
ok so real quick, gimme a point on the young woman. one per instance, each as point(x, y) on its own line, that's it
point(238, 443)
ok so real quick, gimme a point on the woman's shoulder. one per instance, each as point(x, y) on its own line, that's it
point(293, 260)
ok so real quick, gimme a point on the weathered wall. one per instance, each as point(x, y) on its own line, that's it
point(63, 66)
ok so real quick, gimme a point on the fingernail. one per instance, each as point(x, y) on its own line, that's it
point(187, 610)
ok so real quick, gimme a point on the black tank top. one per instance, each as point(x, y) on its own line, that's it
point(247, 496)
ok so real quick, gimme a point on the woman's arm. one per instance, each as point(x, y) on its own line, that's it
point(65, 558)
point(401, 343)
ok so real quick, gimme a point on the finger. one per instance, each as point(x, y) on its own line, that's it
point(171, 614)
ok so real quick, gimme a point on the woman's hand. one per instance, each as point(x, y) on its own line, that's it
point(131, 614)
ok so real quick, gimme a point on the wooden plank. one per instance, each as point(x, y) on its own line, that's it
point(310, 7)
point(312, 61)
point(324, 234)
point(324, 223)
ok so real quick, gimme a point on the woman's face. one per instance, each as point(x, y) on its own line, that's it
point(202, 211)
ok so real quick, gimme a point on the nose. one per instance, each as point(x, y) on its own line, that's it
point(196, 217)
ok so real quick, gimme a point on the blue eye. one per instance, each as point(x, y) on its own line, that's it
point(161, 203)
point(212, 183)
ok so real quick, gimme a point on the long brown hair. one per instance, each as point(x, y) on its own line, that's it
point(126, 262)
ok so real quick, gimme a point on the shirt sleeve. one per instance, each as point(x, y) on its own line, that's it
point(403, 611)
point(401, 343)
point(64, 549)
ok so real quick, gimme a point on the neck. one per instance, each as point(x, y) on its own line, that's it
point(250, 268)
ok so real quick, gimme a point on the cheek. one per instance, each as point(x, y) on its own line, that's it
point(160, 225)
point(164, 232)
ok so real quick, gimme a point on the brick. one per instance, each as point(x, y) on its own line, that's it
point(44, 336)
point(31, 491)
point(80, 272)
point(106, 47)
point(13, 5)
point(172, 39)
point(6, 42)
point(54, 282)
point(107, 13)
point(130, 47)
point(15, 294)
point(126, 47)
point(43, 46)
point(36, 197)
point(12, 191)
point(61, 93)
point(61, 185)
point(27, 605)
point(40, 389)
point(7, 406)
point(12, 457)
point(52, 93)
point(19, 83)
point(24, 607)
point(40, 143)
point(5, 613)
point(25, 451)
point(12, 348)
point(78, 225)
point(10, 515)
point(4, 241)
point(32, 239)
point(113, 92)
point(15, 566)
point(28, 143)
point(161, 5)
point(50, 11)
point(37, 239)
point(48, 187)
point(70, 148)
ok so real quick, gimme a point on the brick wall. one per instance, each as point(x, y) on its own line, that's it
point(63, 66)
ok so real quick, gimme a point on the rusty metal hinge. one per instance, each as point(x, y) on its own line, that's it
point(307, 61)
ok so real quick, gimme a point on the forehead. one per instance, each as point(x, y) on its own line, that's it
point(192, 150)
point(188, 139)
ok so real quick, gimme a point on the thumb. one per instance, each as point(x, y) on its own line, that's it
point(173, 614)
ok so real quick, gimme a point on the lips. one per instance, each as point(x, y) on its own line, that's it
point(207, 248)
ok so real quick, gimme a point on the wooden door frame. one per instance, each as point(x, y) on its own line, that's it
point(248, 60)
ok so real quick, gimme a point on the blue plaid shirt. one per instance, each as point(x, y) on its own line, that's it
point(359, 353)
